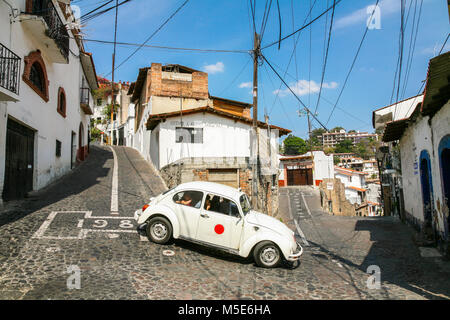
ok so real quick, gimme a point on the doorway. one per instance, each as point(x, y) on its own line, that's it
point(19, 161)
point(427, 188)
point(444, 160)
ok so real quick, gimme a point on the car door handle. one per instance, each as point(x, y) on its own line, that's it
point(204, 215)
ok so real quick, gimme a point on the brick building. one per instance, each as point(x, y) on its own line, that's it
point(190, 135)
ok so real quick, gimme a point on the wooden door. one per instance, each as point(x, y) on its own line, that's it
point(18, 161)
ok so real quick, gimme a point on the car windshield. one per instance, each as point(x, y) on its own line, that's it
point(245, 204)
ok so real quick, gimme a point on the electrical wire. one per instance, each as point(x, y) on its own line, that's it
point(353, 63)
point(402, 43)
point(412, 50)
point(299, 100)
point(151, 36)
point(237, 77)
point(326, 57)
point(164, 47)
point(303, 27)
point(292, 54)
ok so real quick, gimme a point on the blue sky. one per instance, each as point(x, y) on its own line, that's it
point(208, 24)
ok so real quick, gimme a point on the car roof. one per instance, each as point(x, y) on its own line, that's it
point(212, 187)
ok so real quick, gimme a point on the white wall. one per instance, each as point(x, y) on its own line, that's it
point(417, 137)
point(222, 137)
point(323, 166)
point(34, 112)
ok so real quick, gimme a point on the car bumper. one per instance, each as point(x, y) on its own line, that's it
point(296, 255)
point(137, 214)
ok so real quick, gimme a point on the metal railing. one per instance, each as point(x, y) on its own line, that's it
point(57, 30)
point(9, 70)
point(84, 96)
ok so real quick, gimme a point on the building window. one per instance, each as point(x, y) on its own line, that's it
point(61, 108)
point(188, 135)
point(35, 74)
point(58, 148)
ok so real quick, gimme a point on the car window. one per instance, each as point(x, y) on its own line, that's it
point(222, 205)
point(189, 198)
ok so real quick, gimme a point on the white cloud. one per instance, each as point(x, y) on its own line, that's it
point(304, 87)
point(387, 7)
point(245, 85)
point(214, 68)
point(433, 51)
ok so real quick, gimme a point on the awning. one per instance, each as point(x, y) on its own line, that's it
point(437, 90)
point(394, 130)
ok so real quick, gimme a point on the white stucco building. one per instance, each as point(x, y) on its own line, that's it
point(423, 137)
point(45, 95)
point(306, 169)
point(190, 135)
point(354, 182)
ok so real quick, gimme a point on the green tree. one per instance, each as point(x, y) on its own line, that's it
point(294, 145)
point(336, 129)
point(366, 148)
point(95, 134)
point(107, 110)
point(345, 146)
point(315, 140)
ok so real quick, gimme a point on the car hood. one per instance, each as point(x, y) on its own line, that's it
point(263, 220)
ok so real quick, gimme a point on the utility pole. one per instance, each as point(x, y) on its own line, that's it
point(113, 102)
point(255, 178)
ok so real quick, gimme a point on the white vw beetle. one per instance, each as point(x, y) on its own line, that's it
point(218, 216)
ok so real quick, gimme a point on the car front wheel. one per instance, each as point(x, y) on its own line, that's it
point(267, 254)
point(159, 230)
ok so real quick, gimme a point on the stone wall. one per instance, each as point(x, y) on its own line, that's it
point(340, 206)
point(197, 169)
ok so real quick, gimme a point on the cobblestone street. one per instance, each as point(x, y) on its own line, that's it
point(70, 223)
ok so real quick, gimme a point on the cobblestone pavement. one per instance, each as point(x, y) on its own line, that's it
point(70, 224)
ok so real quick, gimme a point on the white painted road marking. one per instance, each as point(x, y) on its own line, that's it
point(300, 232)
point(115, 186)
point(306, 205)
point(99, 222)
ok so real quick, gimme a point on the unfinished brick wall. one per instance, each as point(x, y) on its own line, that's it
point(157, 86)
point(340, 205)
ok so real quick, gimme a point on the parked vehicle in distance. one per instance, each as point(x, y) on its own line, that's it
point(218, 216)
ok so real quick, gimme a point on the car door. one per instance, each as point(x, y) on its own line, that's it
point(220, 222)
point(187, 205)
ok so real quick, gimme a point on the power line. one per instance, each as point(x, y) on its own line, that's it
point(164, 47)
point(151, 36)
point(292, 54)
point(306, 108)
point(326, 57)
point(237, 77)
point(303, 27)
point(445, 42)
point(402, 43)
point(97, 14)
point(329, 102)
point(99, 7)
point(412, 50)
point(353, 63)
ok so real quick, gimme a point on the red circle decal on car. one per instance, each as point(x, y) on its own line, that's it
point(219, 229)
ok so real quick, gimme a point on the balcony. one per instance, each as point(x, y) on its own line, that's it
point(85, 94)
point(42, 20)
point(9, 75)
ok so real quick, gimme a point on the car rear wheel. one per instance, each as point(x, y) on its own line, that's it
point(159, 230)
point(267, 254)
